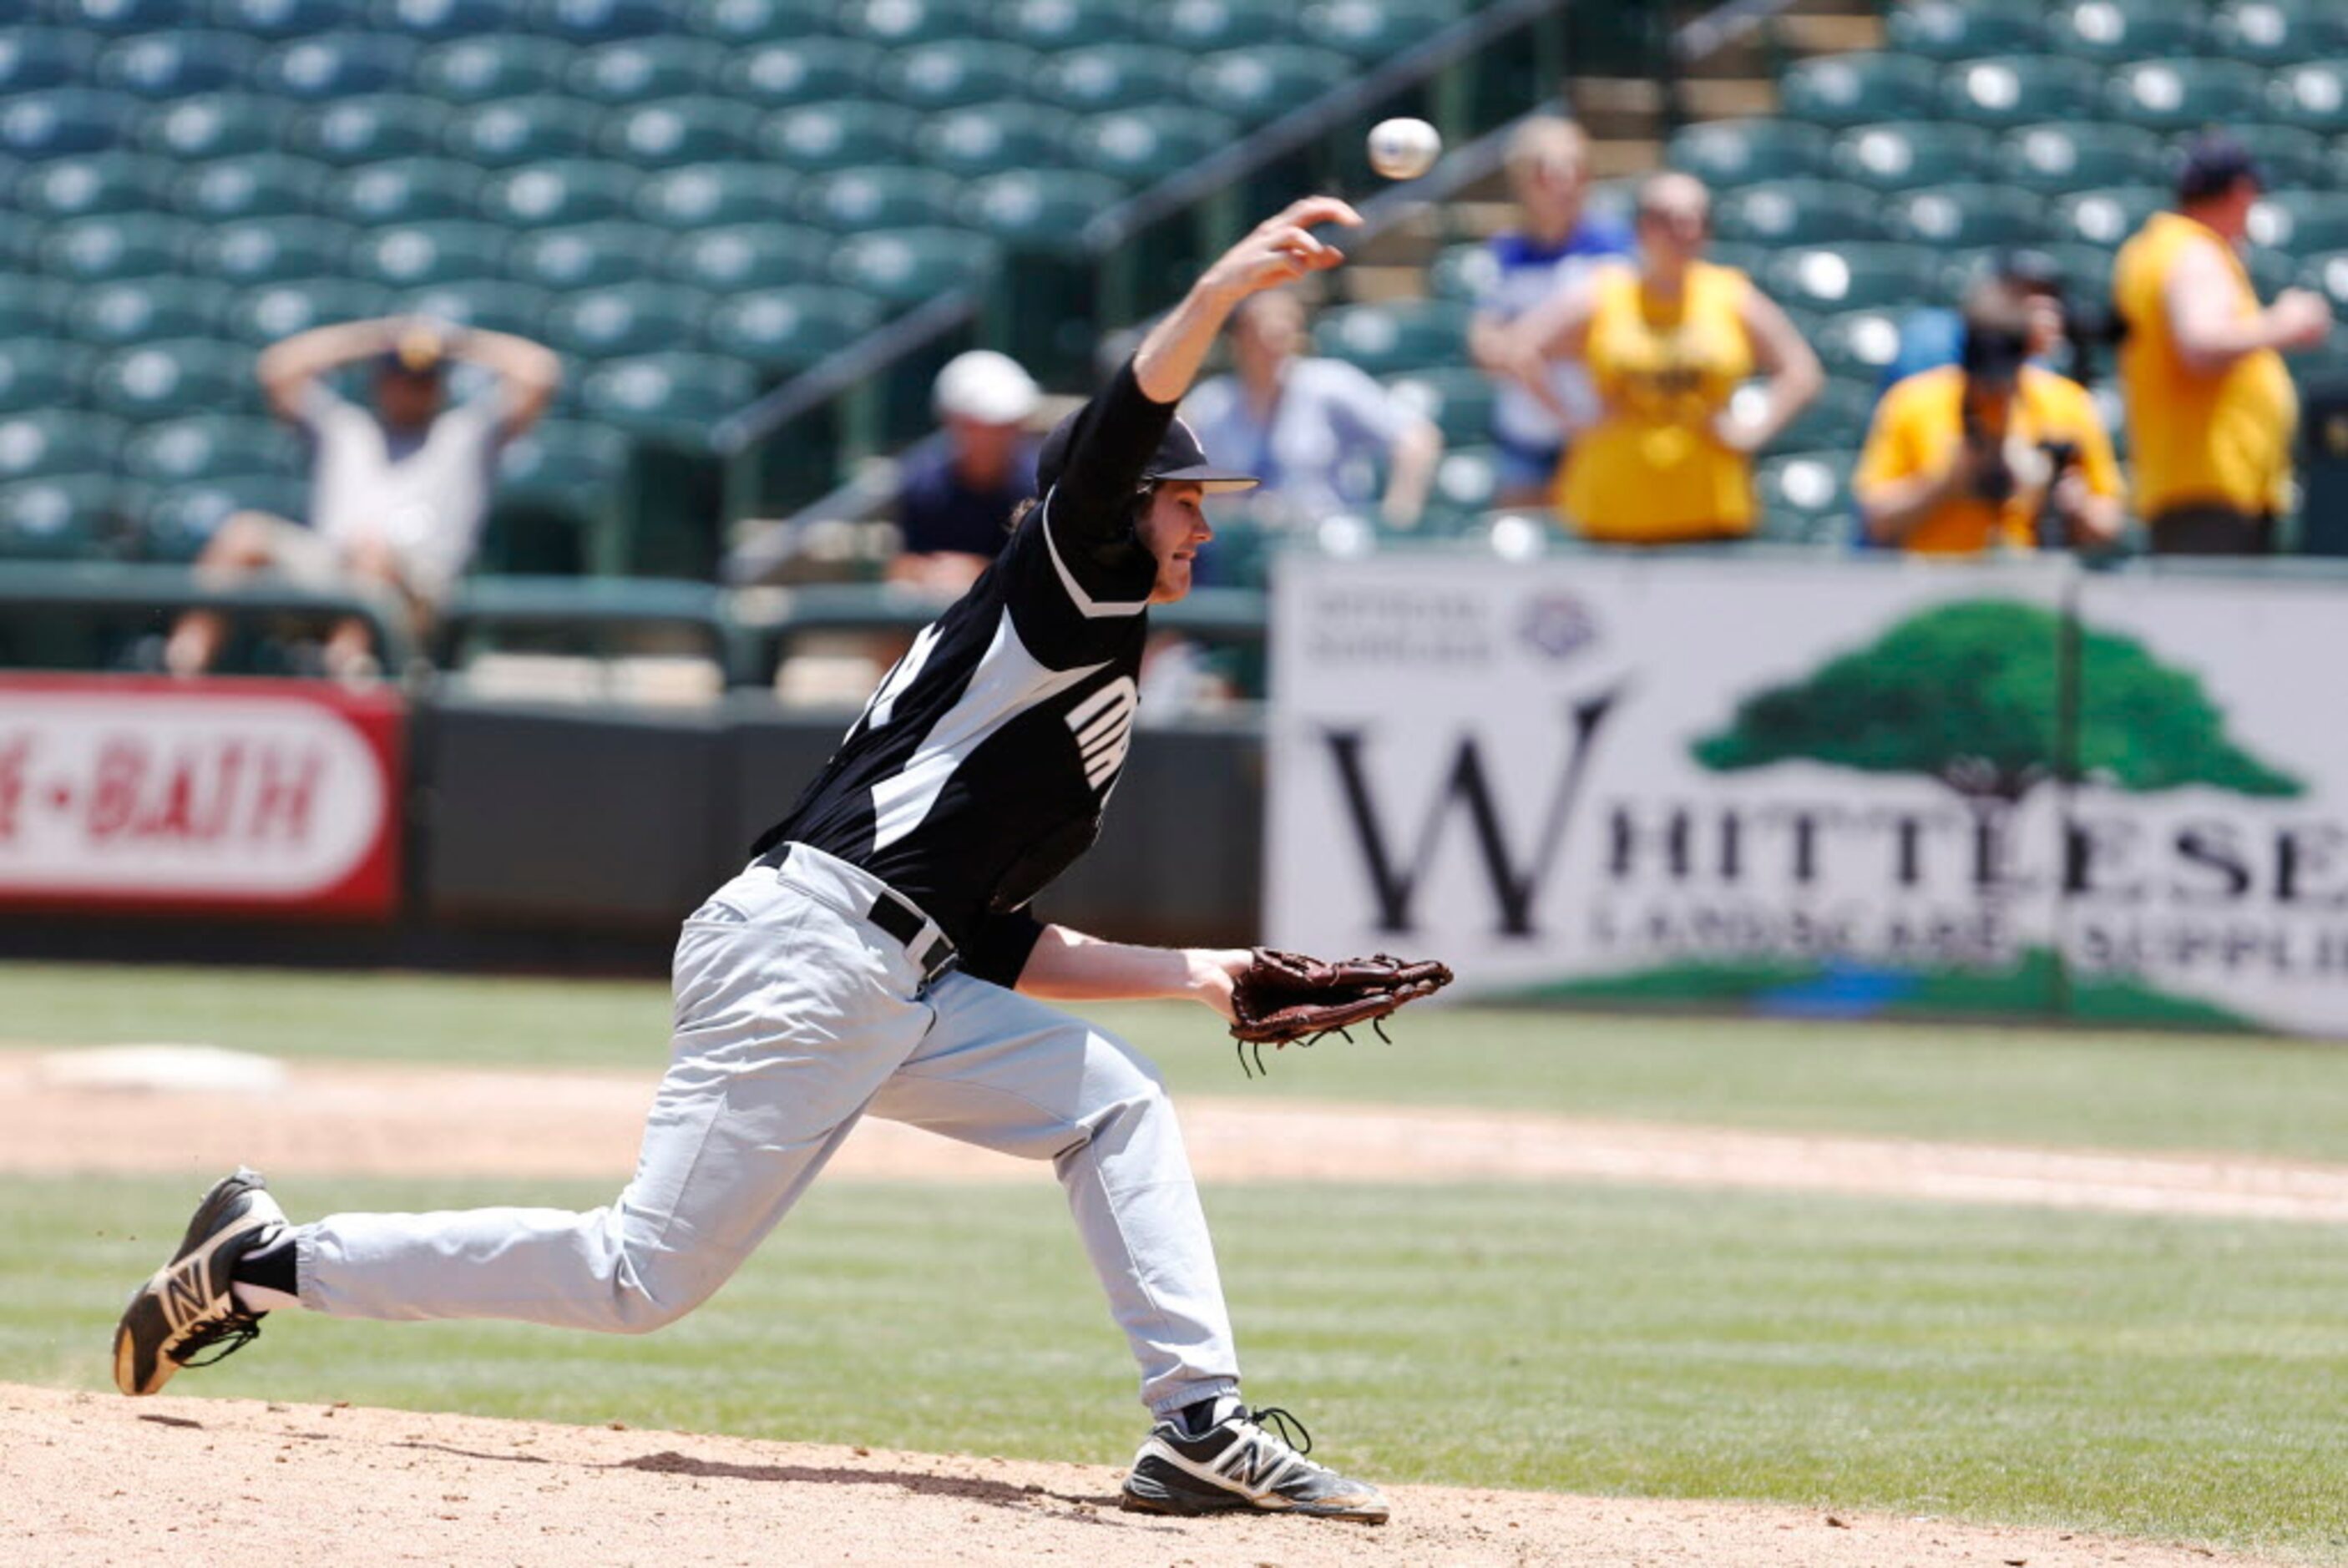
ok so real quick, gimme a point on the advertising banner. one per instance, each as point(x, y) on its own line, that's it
point(139, 793)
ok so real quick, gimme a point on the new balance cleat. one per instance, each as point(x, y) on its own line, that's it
point(188, 1307)
point(1246, 1462)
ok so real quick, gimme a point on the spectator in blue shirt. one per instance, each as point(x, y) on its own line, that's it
point(955, 499)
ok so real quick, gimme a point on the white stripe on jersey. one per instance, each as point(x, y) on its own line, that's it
point(1103, 723)
point(1007, 682)
point(1091, 608)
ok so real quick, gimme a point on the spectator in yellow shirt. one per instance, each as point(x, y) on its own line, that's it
point(1991, 452)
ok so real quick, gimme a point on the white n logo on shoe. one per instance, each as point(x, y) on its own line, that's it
point(185, 1299)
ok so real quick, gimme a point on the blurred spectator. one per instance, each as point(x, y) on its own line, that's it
point(1554, 246)
point(1992, 450)
point(1934, 335)
point(955, 504)
point(1667, 342)
point(1316, 430)
point(2210, 409)
point(397, 492)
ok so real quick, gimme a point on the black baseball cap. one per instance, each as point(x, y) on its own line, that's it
point(1179, 458)
point(2213, 161)
point(2032, 271)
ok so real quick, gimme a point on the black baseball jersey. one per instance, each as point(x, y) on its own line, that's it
point(979, 770)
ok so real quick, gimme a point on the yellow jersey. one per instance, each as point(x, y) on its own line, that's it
point(1920, 423)
point(1651, 469)
point(2195, 439)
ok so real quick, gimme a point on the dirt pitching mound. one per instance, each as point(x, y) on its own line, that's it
point(96, 1481)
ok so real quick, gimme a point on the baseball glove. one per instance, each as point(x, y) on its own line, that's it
point(1283, 998)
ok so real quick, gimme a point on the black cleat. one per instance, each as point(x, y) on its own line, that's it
point(1238, 1466)
point(187, 1305)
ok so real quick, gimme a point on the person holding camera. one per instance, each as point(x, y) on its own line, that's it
point(1991, 452)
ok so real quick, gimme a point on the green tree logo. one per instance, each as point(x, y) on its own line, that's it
point(1969, 692)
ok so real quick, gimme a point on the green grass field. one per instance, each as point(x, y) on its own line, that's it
point(2175, 1378)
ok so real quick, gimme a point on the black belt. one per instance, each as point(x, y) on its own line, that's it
point(900, 917)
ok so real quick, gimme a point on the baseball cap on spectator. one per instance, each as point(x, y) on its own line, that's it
point(418, 350)
point(2213, 162)
point(985, 387)
point(2032, 271)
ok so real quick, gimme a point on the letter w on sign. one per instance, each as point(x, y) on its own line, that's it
point(1103, 725)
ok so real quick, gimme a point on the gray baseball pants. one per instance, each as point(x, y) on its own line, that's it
point(796, 1015)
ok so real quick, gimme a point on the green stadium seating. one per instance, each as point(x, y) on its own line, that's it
point(2327, 274)
point(790, 329)
point(1142, 145)
point(2302, 223)
point(58, 122)
point(588, 255)
point(335, 66)
point(2104, 218)
point(2060, 157)
point(418, 255)
point(528, 130)
point(1965, 29)
point(1202, 27)
point(988, 138)
point(492, 69)
point(207, 446)
point(563, 457)
point(286, 18)
point(2112, 32)
point(212, 125)
point(67, 518)
point(879, 196)
point(672, 397)
point(177, 65)
point(119, 16)
point(1103, 76)
point(1729, 152)
point(908, 266)
point(37, 372)
point(406, 190)
point(667, 132)
point(2185, 94)
point(951, 73)
point(1053, 25)
point(490, 302)
point(633, 70)
point(1039, 209)
point(1463, 271)
point(817, 137)
point(558, 194)
point(740, 22)
point(1837, 417)
point(1374, 30)
point(34, 57)
point(1458, 398)
point(2312, 96)
point(125, 246)
point(262, 186)
point(29, 305)
point(267, 312)
point(1806, 498)
point(369, 130)
point(116, 315)
point(1903, 156)
point(1857, 343)
point(787, 72)
point(1392, 337)
point(1857, 89)
point(2008, 90)
point(176, 522)
point(1850, 277)
point(734, 257)
point(2289, 157)
point(1259, 84)
point(175, 376)
point(1798, 212)
point(1467, 479)
point(93, 185)
point(436, 21)
point(900, 24)
point(49, 443)
point(631, 318)
point(701, 195)
point(2278, 32)
point(2270, 270)
point(598, 21)
point(2086, 270)
point(1966, 214)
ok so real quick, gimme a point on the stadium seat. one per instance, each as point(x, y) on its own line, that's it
point(2289, 157)
point(36, 57)
point(701, 195)
point(263, 185)
point(1467, 479)
point(2274, 32)
point(2272, 271)
point(125, 246)
point(1458, 398)
point(264, 250)
point(908, 266)
point(817, 137)
point(177, 65)
point(2060, 157)
point(369, 130)
point(2302, 223)
point(1851, 278)
point(1857, 89)
point(2327, 274)
point(598, 21)
point(39, 373)
point(1806, 498)
point(436, 21)
point(2105, 218)
point(213, 125)
point(2009, 90)
point(2185, 94)
point(116, 315)
point(1965, 29)
point(1837, 417)
point(270, 312)
point(562, 457)
point(2312, 96)
point(1857, 343)
point(1392, 337)
point(1263, 83)
point(491, 69)
point(742, 22)
point(418, 255)
point(1054, 24)
point(1903, 156)
point(57, 122)
point(1464, 270)
point(65, 518)
point(558, 194)
point(900, 24)
point(206, 446)
point(879, 196)
point(631, 318)
point(1103, 76)
point(590, 255)
point(790, 329)
point(335, 66)
point(787, 72)
point(951, 73)
point(121, 17)
point(93, 185)
point(1039, 209)
point(989, 138)
point(1798, 212)
point(278, 19)
point(175, 376)
point(1956, 215)
point(407, 190)
point(672, 396)
point(1142, 145)
point(522, 130)
point(30, 306)
point(667, 132)
point(1374, 30)
point(49, 443)
point(490, 302)
point(732, 258)
point(1202, 26)
point(633, 70)
point(1729, 152)
point(176, 522)
point(2113, 32)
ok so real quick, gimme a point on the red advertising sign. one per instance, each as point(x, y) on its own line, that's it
point(135, 792)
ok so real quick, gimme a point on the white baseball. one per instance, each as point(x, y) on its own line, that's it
point(1403, 149)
